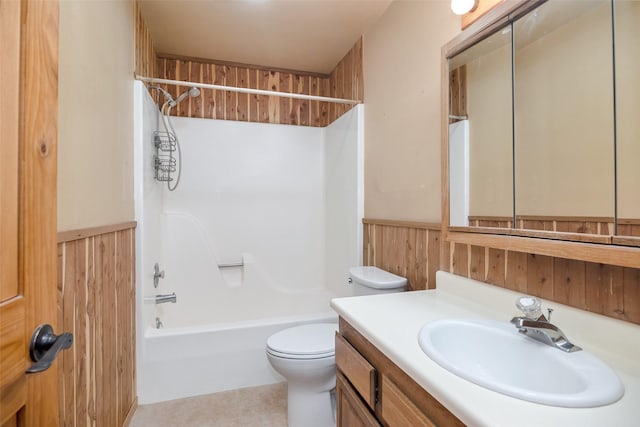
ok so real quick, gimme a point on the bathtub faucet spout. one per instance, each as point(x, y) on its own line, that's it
point(161, 299)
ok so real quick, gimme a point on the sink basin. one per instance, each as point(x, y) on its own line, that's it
point(494, 355)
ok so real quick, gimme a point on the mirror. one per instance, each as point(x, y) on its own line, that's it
point(627, 63)
point(480, 134)
point(563, 159)
point(563, 109)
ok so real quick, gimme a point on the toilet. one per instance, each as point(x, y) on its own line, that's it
point(305, 355)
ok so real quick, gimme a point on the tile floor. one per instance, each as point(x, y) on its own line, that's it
point(264, 406)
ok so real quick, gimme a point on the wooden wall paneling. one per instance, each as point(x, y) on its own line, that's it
point(540, 276)
point(287, 116)
point(460, 259)
point(411, 251)
point(433, 257)
point(97, 304)
point(145, 53)
point(219, 71)
point(415, 264)
point(263, 100)
point(231, 98)
point(604, 289)
point(477, 267)
point(345, 81)
point(458, 92)
point(274, 102)
point(325, 90)
point(170, 69)
point(295, 103)
point(252, 100)
point(195, 104)
point(496, 267)
point(125, 321)
point(631, 298)
point(569, 282)
point(92, 334)
point(516, 271)
point(242, 80)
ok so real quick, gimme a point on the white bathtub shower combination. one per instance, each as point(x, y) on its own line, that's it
point(284, 201)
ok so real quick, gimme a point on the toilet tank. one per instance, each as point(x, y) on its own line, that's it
point(368, 280)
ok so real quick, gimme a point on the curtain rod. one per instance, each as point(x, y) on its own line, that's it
point(247, 90)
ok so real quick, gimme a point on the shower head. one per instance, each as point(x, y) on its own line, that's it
point(166, 94)
point(192, 92)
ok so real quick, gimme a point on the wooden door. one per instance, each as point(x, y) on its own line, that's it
point(28, 138)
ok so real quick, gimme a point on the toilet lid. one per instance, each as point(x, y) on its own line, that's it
point(313, 340)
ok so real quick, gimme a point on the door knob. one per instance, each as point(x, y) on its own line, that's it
point(45, 346)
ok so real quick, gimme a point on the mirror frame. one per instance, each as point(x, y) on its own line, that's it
point(584, 247)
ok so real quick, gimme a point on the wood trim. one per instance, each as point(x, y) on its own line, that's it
point(239, 65)
point(483, 7)
point(551, 218)
point(626, 240)
point(83, 233)
point(629, 221)
point(591, 252)
point(130, 413)
point(490, 22)
point(540, 234)
point(406, 224)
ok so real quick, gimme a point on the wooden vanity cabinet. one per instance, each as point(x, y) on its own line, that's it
point(372, 391)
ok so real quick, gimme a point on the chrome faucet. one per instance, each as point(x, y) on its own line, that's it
point(536, 326)
point(161, 299)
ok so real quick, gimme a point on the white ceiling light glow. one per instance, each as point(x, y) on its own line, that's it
point(460, 7)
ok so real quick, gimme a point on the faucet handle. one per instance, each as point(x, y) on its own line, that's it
point(549, 312)
point(530, 306)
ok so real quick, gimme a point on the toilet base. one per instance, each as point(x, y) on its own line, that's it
point(310, 409)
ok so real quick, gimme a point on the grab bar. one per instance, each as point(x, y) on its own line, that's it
point(232, 265)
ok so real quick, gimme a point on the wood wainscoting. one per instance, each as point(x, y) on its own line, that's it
point(345, 81)
point(408, 249)
point(599, 288)
point(416, 251)
point(144, 50)
point(96, 302)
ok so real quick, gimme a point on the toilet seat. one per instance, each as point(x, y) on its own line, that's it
point(312, 341)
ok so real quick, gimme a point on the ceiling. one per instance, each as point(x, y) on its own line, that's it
point(303, 35)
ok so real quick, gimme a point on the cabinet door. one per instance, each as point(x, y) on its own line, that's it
point(352, 412)
point(398, 410)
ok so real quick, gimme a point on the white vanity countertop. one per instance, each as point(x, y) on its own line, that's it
point(392, 322)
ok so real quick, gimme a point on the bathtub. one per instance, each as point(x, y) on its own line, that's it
point(195, 360)
point(284, 202)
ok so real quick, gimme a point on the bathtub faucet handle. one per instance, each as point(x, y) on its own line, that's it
point(157, 275)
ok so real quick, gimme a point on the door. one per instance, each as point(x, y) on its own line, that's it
point(28, 139)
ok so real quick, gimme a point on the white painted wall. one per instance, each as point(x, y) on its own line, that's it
point(95, 120)
point(402, 118)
